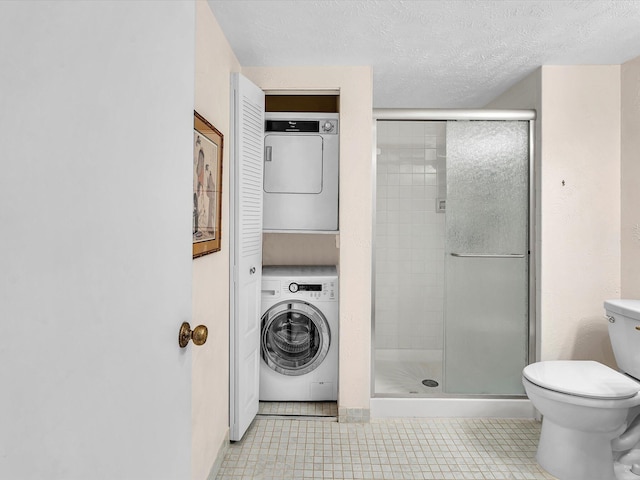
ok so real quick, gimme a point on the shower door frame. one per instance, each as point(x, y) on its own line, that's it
point(443, 115)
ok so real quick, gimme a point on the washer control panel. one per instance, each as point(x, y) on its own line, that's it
point(305, 287)
point(325, 290)
point(322, 289)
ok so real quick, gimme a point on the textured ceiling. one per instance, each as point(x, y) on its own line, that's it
point(432, 53)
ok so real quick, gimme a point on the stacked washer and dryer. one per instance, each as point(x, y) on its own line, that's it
point(299, 317)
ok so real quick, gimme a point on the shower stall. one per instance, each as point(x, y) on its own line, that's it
point(453, 276)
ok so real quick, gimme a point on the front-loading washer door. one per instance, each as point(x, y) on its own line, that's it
point(295, 337)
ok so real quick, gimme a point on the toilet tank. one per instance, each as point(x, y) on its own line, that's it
point(624, 332)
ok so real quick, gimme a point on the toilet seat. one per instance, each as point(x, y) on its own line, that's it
point(581, 378)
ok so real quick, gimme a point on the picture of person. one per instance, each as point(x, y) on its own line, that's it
point(198, 169)
point(204, 189)
point(211, 193)
point(208, 147)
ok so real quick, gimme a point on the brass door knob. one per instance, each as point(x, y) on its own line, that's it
point(198, 335)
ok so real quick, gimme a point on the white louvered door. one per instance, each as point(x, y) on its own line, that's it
point(246, 255)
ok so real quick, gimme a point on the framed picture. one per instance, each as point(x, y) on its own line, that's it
point(207, 187)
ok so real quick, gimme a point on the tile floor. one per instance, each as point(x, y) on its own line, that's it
point(437, 449)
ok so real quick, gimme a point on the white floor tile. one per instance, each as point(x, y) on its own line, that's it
point(435, 449)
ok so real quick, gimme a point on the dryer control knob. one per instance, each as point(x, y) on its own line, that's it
point(293, 287)
point(327, 126)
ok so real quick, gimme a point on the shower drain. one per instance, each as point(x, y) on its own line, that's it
point(430, 383)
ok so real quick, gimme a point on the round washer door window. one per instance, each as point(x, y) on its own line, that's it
point(295, 337)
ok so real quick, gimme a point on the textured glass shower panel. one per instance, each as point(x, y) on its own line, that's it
point(486, 295)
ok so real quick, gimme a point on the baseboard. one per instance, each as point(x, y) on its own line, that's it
point(354, 415)
point(222, 450)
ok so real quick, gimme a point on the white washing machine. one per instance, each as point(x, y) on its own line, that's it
point(299, 334)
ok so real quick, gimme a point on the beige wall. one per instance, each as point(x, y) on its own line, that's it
point(300, 249)
point(580, 227)
point(578, 223)
point(355, 87)
point(630, 173)
point(210, 401)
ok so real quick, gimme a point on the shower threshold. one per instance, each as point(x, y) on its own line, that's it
point(450, 407)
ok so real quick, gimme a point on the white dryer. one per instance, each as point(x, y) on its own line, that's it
point(299, 334)
point(301, 171)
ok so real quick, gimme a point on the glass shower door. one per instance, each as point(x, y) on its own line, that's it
point(486, 257)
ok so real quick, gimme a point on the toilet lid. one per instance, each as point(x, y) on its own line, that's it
point(581, 378)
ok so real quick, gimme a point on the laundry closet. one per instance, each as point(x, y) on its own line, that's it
point(285, 249)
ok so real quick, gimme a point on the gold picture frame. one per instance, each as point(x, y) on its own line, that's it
point(207, 187)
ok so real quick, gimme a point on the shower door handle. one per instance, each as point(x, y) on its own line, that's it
point(486, 255)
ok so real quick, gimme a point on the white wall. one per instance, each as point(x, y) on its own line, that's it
point(210, 408)
point(630, 173)
point(96, 110)
point(355, 86)
point(578, 222)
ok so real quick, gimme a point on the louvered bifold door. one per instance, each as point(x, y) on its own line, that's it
point(246, 252)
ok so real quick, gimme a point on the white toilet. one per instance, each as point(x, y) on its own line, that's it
point(588, 408)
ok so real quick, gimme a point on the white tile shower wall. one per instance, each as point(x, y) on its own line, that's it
point(410, 235)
